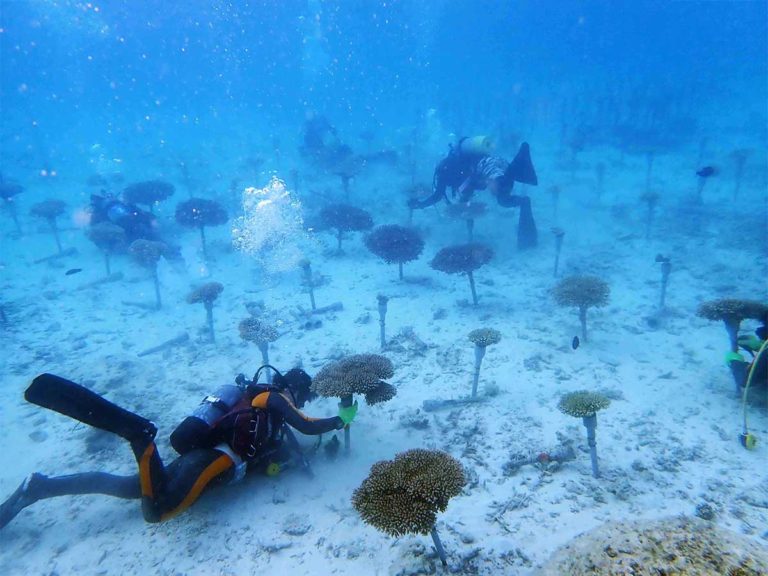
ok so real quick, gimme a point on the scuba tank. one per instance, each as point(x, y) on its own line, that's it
point(195, 431)
point(476, 145)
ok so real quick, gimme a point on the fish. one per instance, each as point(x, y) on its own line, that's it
point(72, 271)
point(575, 342)
point(706, 172)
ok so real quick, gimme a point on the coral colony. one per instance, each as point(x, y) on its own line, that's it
point(586, 405)
point(481, 338)
point(404, 495)
point(207, 295)
point(582, 292)
point(147, 253)
point(463, 259)
point(395, 245)
point(261, 334)
point(199, 213)
point(356, 374)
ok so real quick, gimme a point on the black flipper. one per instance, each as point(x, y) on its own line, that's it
point(75, 401)
point(527, 235)
point(521, 168)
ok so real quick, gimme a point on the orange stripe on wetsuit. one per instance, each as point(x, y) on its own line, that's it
point(145, 474)
point(214, 469)
point(183, 481)
point(276, 402)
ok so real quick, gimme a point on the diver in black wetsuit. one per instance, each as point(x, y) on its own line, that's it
point(469, 167)
point(135, 222)
point(321, 143)
point(243, 427)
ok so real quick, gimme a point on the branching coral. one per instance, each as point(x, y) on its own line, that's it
point(582, 292)
point(382, 393)
point(261, 334)
point(207, 294)
point(481, 338)
point(50, 210)
point(199, 213)
point(732, 312)
point(147, 253)
point(356, 374)
point(463, 259)
point(585, 405)
point(148, 192)
point(108, 237)
point(345, 218)
point(404, 495)
point(650, 547)
point(395, 244)
point(582, 404)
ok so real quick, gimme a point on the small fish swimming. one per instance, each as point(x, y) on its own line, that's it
point(707, 171)
point(575, 342)
point(72, 271)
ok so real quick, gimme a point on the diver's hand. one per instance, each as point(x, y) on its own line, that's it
point(348, 413)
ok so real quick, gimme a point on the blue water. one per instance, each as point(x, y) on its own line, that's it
point(616, 98)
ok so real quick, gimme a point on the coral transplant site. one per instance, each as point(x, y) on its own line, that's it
point(386, 288)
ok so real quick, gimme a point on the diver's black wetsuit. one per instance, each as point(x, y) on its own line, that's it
point(250, 437)
point(135, 222)
point(459, 170)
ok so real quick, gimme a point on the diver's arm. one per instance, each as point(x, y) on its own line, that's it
point(438, 189)
point(274, 401)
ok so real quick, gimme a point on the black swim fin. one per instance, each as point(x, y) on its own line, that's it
point(521, 168)
point(75, 401)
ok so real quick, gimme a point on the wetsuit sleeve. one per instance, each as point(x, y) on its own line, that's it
point(274, 401)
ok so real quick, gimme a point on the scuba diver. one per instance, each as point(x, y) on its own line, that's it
point(469, 166)
point(750, 374)
point(242, 427)
point(137, 223)
point(321, 142)
point(755, 371)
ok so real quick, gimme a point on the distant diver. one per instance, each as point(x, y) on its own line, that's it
point(321, 142)
point(242, 427)
point(135, 222)
point(469, 167)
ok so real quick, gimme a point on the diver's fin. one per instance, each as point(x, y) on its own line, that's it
point(16, 502)
point(75, 401)
point(521, 168)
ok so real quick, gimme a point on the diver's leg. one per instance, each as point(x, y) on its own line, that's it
point(186, 478)
point(527, 235)
point(39, 487)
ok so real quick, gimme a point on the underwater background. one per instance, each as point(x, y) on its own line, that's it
point(648, 129)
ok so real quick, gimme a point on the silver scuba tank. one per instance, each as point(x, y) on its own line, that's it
point(195, 430)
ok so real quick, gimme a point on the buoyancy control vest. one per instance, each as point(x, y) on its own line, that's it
point(228, 416)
